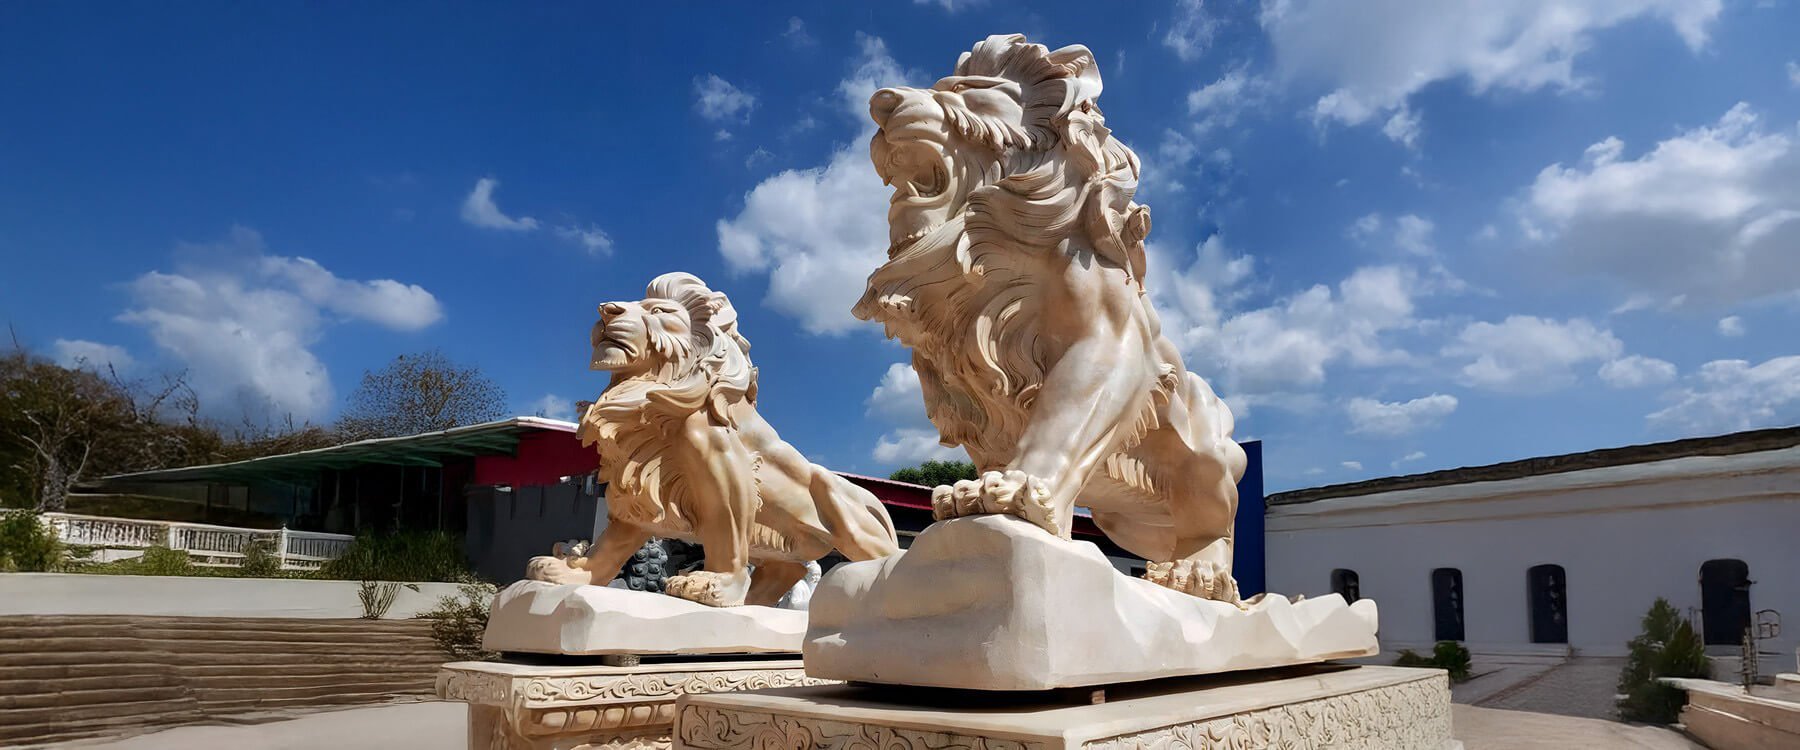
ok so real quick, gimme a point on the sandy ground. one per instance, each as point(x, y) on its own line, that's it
point(440, 726)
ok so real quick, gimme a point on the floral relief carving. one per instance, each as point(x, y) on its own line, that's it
point(707, 728)
point(1406, 716)
point(542, 690)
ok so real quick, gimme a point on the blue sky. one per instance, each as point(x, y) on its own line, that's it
point(1397, 236)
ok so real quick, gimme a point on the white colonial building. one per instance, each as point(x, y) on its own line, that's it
point(1561, 552)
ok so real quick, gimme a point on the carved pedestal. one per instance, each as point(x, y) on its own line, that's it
point(1321, 706)
point(530, 707)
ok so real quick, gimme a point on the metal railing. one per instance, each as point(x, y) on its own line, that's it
point(206, 544)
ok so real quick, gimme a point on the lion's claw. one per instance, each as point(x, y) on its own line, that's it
point(1013, 493)
point(708, 588)
point(1200, 578)
point(557, 570)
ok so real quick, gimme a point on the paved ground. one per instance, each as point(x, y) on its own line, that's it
point(1582, 686)
point(1496, 729)
point(440, 726)
point(427, 725)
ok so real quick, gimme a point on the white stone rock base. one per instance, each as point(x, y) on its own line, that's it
point(996, 603)
point(528, 707)
point(547, 618)
point(1320, 706)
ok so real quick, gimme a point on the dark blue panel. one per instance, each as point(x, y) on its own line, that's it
point(1247, 552)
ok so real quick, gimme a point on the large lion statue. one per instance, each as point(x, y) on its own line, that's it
point(1016, 275)
point(685, 455)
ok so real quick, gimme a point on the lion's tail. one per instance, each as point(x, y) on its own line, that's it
point(860, 526)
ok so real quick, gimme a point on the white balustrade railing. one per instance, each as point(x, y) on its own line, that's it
point(205, 543)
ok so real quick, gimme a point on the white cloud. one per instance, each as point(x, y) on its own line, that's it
point(1731, 325)
point(1637, 371)
point(796, 33)
point(553, 406)
point(592, 238)
point(1351, 465)
point(1220, 103)
point(952, 6)
point(1793, 71)
point(1413, 234)
point(1374, 56)
point(1731, 394)
point(243, 323)
point(716, 99)
point(1395, 418)
point(1273, 352)
point(1403, 127)
point(389, 303)
point(898, 397)
point(1191, 31)
point(1711, 215)
point(80, 354)
point(1527, 354)
point(479, 209)
point(910, 446)
point(1408, 458)
point(819, 232)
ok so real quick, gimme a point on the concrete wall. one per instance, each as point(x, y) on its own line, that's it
point(81, 594)
point(1624, 535)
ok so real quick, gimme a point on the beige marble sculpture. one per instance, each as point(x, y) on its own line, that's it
point(1016, 274)
point(685, 454)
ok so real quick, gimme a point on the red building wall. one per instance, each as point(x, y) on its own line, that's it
point(543, 457)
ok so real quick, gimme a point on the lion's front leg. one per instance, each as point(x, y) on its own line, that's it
point(721, 478)
point(1207, 574)
point(611, 549)
point(1089, 402)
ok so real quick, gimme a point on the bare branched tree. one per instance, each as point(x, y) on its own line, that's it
point(417, 393)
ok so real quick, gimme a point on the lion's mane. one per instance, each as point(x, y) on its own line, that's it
point(709, 369)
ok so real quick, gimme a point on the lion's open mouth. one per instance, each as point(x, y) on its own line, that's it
point(915, 169)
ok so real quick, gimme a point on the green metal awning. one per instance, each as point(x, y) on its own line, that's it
point(429, 449)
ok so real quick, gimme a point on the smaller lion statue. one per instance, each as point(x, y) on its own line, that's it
point(685, 455)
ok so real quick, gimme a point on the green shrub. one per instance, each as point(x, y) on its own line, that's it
point(260, 560)
point(1449, 656)
point(161, 561)
point(403, 556)
point(458, 622)
point(27, 545)
point(1453, 657)
point(1668, 647)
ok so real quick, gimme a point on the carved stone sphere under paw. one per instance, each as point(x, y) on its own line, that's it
point(1012, 493)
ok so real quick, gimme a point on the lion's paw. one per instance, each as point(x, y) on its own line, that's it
point(1012, 493)
point(709, 588)
point(1201, 578)
point(556, 570)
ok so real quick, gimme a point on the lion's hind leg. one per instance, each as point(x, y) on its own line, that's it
point(772, 579)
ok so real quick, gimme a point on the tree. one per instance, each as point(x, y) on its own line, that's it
point(1668, 647)
point(422, 392)
point(934, 473)
point(51, 420)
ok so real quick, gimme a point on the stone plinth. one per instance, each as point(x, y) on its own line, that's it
point(996, 603)
point(574, 619)
point(528, 707)
point(1302, 707)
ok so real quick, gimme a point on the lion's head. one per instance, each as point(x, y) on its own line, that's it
point(677, 349)
point(1012, 142)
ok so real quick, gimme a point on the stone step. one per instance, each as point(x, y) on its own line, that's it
point(179, 634)
point(74, 718)
point(329, 691)
point(256, 658)
point(133, 643)
point(8, 623)
point(20, 682)
point(95, 697)
point(225, 709)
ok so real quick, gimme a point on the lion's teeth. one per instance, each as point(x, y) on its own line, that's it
point(911, 190)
